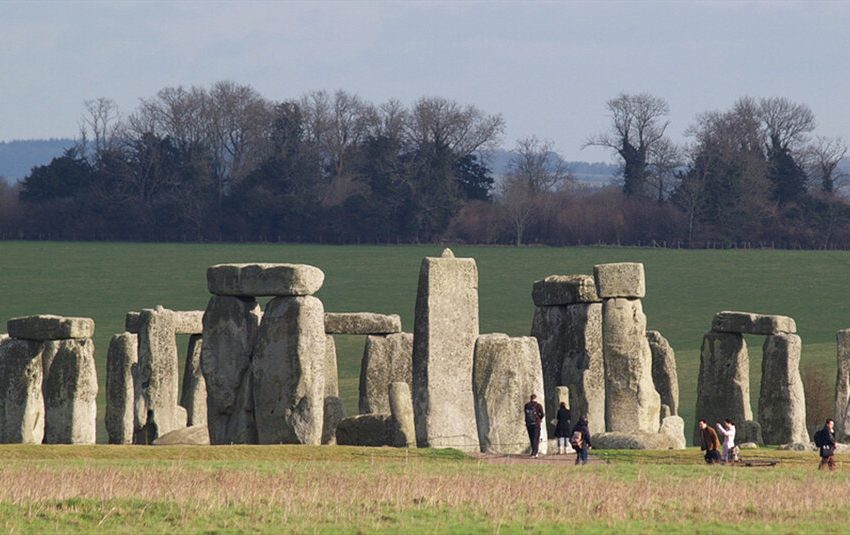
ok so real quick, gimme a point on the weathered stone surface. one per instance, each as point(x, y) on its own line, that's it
point(557, 290)
point(120, 396)
point(562, 393)
point(444, 342)
point(723, 387)
point(386, 359)
point(634, 441)
point(230, 333)
point(361, 323)
point(782, 401)
point(159, 367)
point(631, 401)
point(664, 374)
point(842, 387)
point(50, 327)
point(365, 430)
point(748, 431)
point(570, 342)
point(131, 322)
point(674, 427)
point(665, 411)
point(188, 321)
point(264, 279)
point(193, 395)
point(505, 373)
point(624, 279)
point(21, 400)
point(194, 435)
point(289, 372)
point(401, 410)
point(798, 446)
point(747, 323)
point(334, 411)
point(70, 392)
point(748, 446)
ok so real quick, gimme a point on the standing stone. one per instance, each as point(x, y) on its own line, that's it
point(230, 332)
point(842, 387)
point(159, 366)
point(333, 405)
point(782, 402)
point(631, 403)
point(664, 374)
point(21, 399)
point(194, 392)
point(723, 387)
point(70, 393)
point(386, 359)
point(401, 410)
point(289, 372)
point(570, 342)
point(120, 397)
point(446, 328)
point(674, 427)
point(506, 372)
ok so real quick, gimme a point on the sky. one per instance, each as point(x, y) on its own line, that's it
point(547, 67)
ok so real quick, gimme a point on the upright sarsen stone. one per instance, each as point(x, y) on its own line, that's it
point(193, 395)
point(333, 412)
point(444, 337)
point(842, 387)
point(21, 398)
point(723, 387)
point(230, 333)
point(120, 396)
point(401, 410)
point(386, 359)
point(664, 374)
point(70, 392)
point(159, 367)
point(782, 401)
point(288, 369)
point(631, 402)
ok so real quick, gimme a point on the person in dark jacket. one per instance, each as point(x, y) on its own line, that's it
point(709, 442)
point(562, 428)
point(825, 441)
point(533, 417)
point(580, 440)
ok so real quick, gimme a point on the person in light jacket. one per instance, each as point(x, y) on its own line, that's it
point(726, 430)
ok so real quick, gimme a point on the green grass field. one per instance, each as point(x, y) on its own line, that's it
point(685, 288)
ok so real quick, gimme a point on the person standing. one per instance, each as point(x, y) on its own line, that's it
point(580, 440)
point(825, 441)
point(533, 417)
point(726, 430)
point(709, 442)
point(562, 428)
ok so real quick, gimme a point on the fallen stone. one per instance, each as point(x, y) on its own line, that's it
point(280, 280)
point(159, 367)
point(21, 399)
point(797, 446)
point(361, 323)
point(748, 446)
point(131, 322)
point(188, 321)
point(842, 448)
point(230, 333)
point(121, 357)
point(365, 430)
point(505, 373)
point(334, 411)
point(556, 290)
point(401, 410)
point(386, 359)
point(289, 372)
point(674, 427)
point(193, 395)
point(624, 279)
point(570, 343)
point(749, 431)
point(723, 387)
point(631, 401)
point(842, 387)
point(446, 327)
point(194, 435)
point(49, 327)
point(634, 441)
point(782, 401)
point(70, 392)
point(748, 323)
point(664, 374)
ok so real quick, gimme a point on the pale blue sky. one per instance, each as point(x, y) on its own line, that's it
point(548, 67)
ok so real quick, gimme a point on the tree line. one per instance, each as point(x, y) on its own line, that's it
point(225, 163)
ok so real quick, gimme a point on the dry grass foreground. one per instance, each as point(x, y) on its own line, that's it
point(338, 489)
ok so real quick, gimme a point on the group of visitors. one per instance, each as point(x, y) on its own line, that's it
point(577, 436)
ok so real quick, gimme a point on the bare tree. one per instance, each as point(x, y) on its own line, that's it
point(101, 124)
point(665, 158)
point(823, 158)
point(446, 124)
point(786, 123)
point(638, 125)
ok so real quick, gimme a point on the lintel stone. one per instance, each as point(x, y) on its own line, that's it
point(361, 323)
point(50, 327)
point(557, 290)
point(623, 279)
point(278, 280)
point(728, 321)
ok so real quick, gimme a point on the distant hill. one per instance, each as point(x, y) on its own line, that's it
point(18, 157)
point(589, 173)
